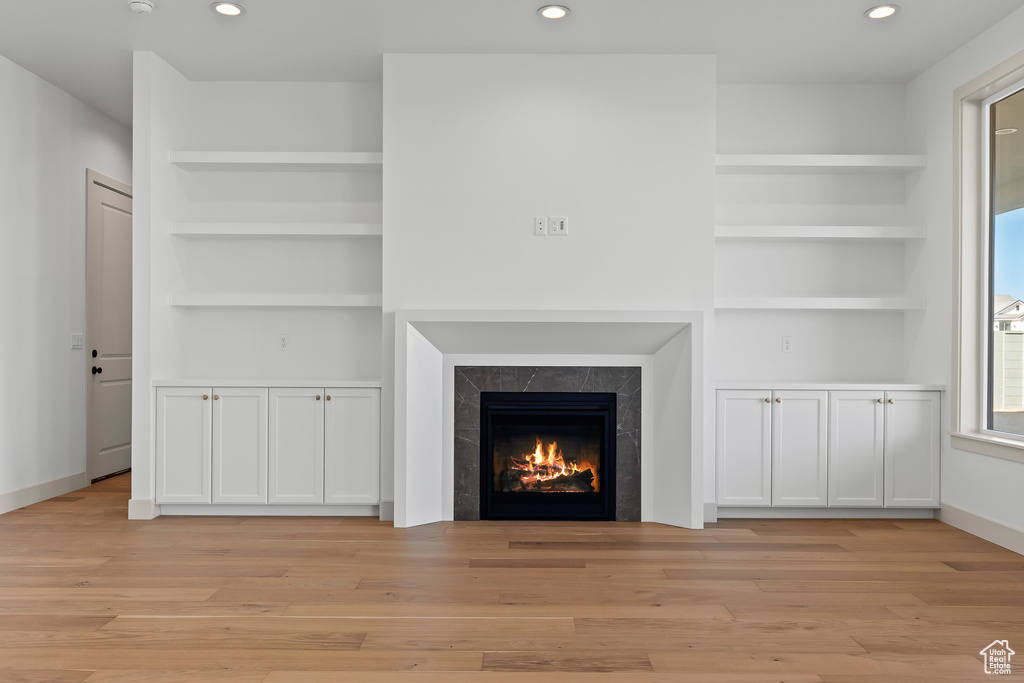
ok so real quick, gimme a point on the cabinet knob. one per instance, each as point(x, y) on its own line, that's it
point(881, 401)
point(768, 400)
point(216, 397)
point(318, 397)
point(328, 397)
point(892, 400)
point(206, 397)
point(778, 400)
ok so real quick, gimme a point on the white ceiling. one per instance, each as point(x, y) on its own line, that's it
point(84, 46)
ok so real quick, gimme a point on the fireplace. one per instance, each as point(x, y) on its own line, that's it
point(547, 455)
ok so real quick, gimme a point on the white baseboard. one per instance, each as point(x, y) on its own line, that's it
point(40, 492)
point(824, 513)
point(143, 508)
point(710, 512)
point(1009, 537)
point(268, 510)
point(387, 511)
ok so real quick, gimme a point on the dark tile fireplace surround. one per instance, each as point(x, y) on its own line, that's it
point(623, 381)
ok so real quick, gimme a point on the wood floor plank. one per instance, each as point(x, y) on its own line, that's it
point(608, 662)
point(42, 675)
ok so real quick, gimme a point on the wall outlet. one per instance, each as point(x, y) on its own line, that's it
point(282, 341)
point(77, 340)
point(558, 225)
point(540, 225)
point(787, 345)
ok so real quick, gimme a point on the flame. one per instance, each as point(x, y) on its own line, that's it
point(545, 463)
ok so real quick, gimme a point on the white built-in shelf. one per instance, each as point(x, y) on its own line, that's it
point(222, 382)
point(797, 303)
point(274, 300)
point(274, 230)
point(819, 163)
point(794, 233)
point(278, 161)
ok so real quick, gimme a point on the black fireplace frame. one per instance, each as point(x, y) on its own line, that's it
point(497, 505)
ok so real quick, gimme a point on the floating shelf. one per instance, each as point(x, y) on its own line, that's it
point(819, 163)
point(820, 303)
point(278, 161)
point(250, 300)
point(283, 230)
point(783, 233)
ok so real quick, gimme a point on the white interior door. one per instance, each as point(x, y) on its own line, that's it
point(108, 287)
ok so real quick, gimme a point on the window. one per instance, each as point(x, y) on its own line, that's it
point(983, 254)
point(1004, 134)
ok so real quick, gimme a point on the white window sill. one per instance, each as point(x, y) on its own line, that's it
point(988, 444)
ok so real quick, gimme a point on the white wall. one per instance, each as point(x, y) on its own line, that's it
point(984, 486)
point(47, 140)
point(476, 145)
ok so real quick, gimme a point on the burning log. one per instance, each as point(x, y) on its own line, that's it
point(518, 481)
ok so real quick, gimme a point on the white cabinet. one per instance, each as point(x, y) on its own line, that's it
point(912, 424)
point(744, 448)
point(259, 445)
point(817, 448)
point(183, 445)
point(240, 445)
point(856, 435)
point(296, 446)
point(211, 445)
point(351, 445)
point(800, 448)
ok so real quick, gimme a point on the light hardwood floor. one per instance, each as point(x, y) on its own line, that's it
point(87, 595)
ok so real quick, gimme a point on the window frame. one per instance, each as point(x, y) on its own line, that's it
point(972, 318)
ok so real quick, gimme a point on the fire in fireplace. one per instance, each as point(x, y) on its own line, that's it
point(547, 455)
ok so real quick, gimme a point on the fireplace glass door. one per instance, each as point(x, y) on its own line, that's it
point(547, 455)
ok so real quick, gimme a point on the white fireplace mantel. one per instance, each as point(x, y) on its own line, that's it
point(667, 345)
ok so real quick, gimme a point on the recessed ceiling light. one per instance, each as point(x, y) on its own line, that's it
point(553, 11)
point(229, 8)
point(882, 11)
point(1006, 131)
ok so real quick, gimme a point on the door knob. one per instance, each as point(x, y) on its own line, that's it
point(96, 370)
point(95, 353)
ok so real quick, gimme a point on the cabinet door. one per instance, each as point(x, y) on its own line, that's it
point(800, 448)
point(743, 448)
point(296, 446)
point(856, 433)
point(351, 446)
point(183, 417)
point(240, 445)
point(912, 431)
